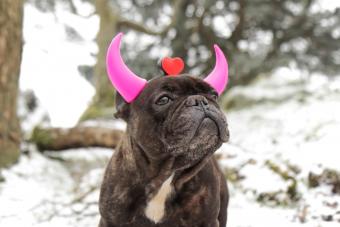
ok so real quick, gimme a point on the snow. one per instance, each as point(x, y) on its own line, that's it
point(330, 5)
point(303, 125)
point(40, 191)
point(300, 131)
point(50, 62)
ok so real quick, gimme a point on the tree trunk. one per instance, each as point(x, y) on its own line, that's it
point(104, 97)
point(11, 16)
point(60, 139)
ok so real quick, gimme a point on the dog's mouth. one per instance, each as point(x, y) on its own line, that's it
point(192, 132)
point(211, 124)
point(207, 135)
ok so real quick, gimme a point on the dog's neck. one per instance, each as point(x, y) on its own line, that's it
point(136, 159)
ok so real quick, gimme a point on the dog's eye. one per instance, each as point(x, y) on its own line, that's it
point(163, 100)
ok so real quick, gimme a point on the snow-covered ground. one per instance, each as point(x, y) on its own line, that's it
point(287, 139)
point(279, 145)
point(40, 191)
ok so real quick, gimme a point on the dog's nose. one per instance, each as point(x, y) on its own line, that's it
point(196, 100)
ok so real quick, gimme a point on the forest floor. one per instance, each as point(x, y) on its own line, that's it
point(282, 163)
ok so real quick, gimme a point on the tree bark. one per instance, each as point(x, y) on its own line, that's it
point(11, 16)
point(55, 139)
point(107, 29)
point(105, 94)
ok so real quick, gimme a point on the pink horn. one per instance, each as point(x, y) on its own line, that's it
point(218, 78)
point(128, 84)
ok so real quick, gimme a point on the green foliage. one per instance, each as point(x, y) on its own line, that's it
point(258, 36)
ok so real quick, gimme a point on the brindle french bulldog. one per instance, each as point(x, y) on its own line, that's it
point(164, 172)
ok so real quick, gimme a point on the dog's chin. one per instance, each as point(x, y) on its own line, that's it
point(203, 144)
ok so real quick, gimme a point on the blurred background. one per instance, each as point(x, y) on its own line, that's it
point(57, 130)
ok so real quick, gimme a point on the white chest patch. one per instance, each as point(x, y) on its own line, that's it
point(155, 209)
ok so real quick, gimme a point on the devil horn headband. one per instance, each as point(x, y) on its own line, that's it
point(129, 85)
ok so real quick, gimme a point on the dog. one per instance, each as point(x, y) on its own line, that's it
point(164, 173)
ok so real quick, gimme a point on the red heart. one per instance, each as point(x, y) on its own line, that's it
point(172, 66)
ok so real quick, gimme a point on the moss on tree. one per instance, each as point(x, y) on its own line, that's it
point(41, 138)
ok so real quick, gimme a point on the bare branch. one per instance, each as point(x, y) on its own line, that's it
point(73, 7)
point(238, 31)
point(55, 139)
point(141, 28)
point(144, 29)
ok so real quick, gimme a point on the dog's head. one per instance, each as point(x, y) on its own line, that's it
point(174, 116)
point(177, 116)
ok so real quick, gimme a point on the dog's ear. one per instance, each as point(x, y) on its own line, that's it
point(122, 108)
